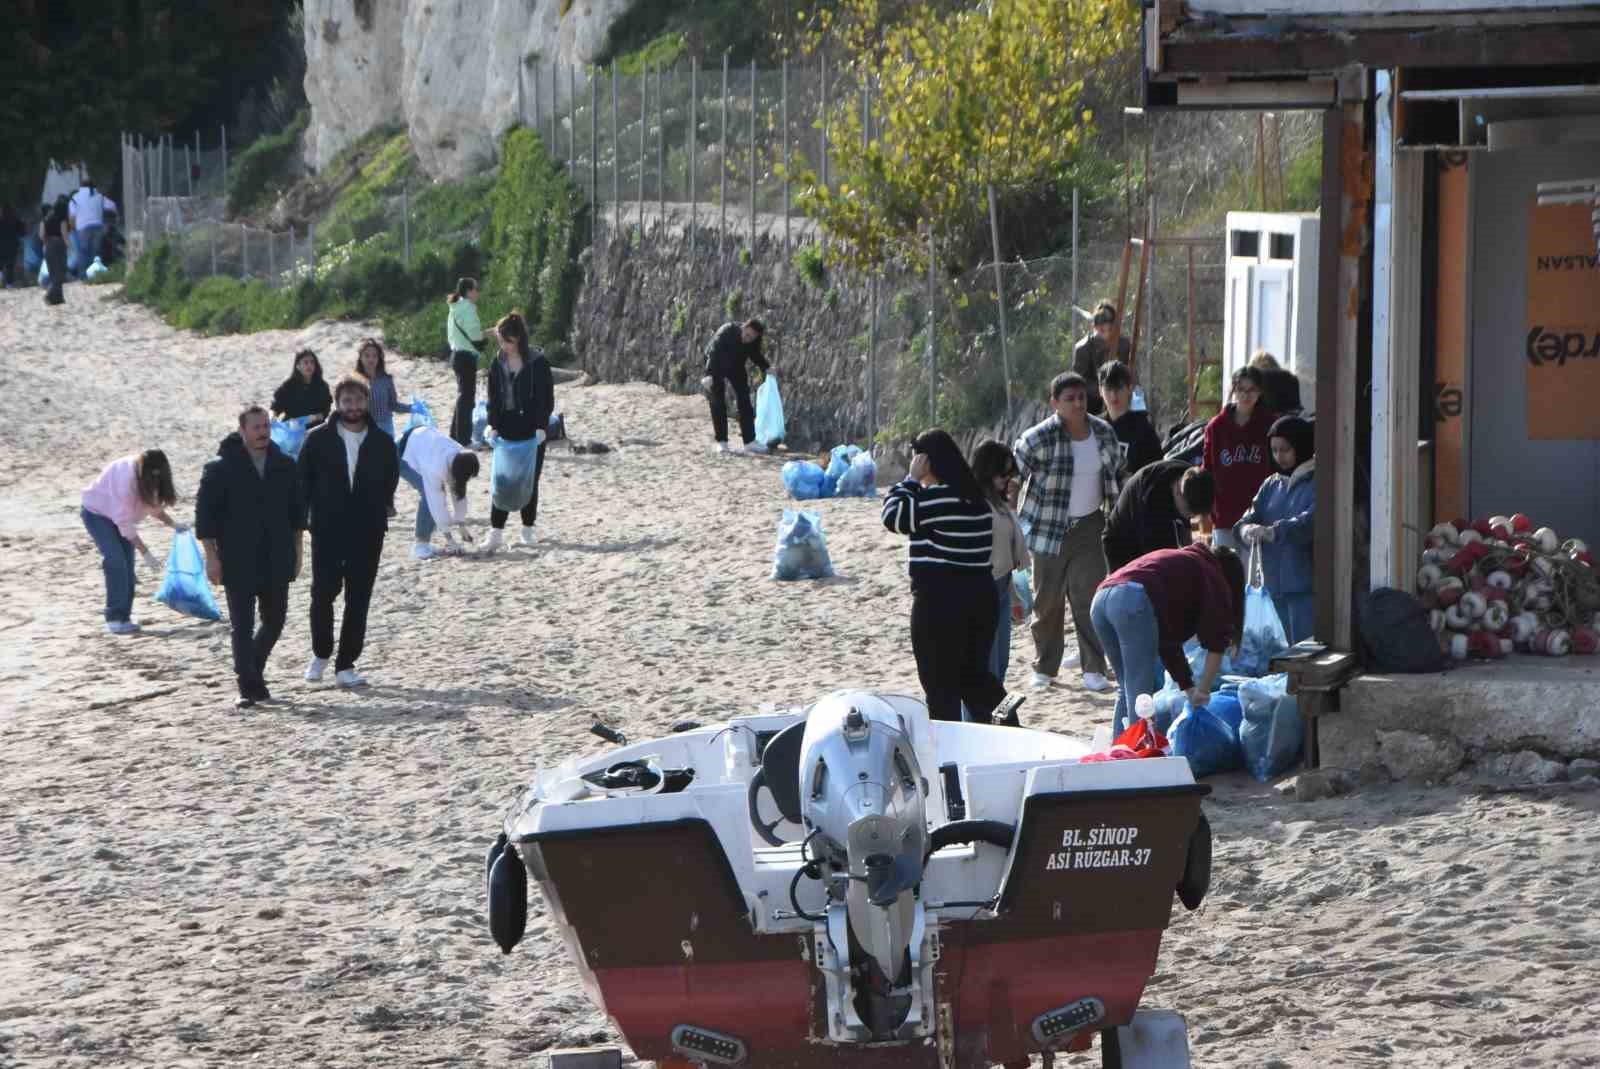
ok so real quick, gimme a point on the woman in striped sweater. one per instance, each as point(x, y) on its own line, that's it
point(940, 507)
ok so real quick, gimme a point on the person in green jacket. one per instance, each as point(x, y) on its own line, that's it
point(464, 333)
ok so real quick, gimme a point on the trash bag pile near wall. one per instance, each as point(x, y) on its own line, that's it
point(851, 472)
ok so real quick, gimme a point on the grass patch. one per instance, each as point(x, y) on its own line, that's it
point(809, 265)
point(264, 166)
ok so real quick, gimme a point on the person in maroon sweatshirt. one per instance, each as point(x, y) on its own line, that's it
point(1145, 611)
point(1237, 454)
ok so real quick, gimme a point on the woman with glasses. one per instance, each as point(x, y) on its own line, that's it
point(1237, 454)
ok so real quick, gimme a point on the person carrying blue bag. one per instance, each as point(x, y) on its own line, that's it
point(732, 347)
point(1145, 611)
point(124, 493)
point(1280, 523)
point(522, 396)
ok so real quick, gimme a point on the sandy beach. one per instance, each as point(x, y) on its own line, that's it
point(184, 884)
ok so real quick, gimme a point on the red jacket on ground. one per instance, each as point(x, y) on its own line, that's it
point(1239, 459)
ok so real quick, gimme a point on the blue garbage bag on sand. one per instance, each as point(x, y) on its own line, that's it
point(1271, 734)
point(1209, 736)
point(769, 413)
point(804, 480)
point(838, 463)
point(511, 473)
point(183, 585)
point(290, 434)
point(480, 421)
point(860, 479)
point(802, 549)
point(421, 415)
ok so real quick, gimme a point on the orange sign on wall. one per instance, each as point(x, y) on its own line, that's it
point(1562, 344)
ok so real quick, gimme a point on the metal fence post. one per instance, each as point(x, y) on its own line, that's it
point(272, 259)
point(197, 161)
point(661, 154)
point(538, 114)
point(644, 122)
point(872, 290)
point(594, 142)
point(572, 109)
point(722, 162)
point(555, 110)
point(1000, 294)
point(311, 243)
point(244, 251)
point(1073, 316)
point(213, 248)
point(405, 220)
point(224, 161)
point(522, 117)
point(752, 160)
point(616, 153)
point(933, 335)
point(785, 118)
point(693, 159)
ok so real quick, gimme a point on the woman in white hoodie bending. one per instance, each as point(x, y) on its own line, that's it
point(439, 468)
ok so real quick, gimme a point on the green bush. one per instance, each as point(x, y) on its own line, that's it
point(732, 301)
point(808, 264)
point(254, 173)
point(158, 279)
point(366, 206)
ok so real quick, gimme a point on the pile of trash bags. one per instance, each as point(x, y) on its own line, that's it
point(802, 549)
point(851, 472)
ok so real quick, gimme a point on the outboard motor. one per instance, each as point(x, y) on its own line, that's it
point(864, 806)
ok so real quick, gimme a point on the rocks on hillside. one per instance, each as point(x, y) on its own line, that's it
point(450, 79)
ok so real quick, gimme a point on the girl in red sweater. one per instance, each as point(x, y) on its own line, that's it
point(1237, 454)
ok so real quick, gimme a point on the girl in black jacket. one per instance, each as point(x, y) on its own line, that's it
point(304, 392)
point(521, 398)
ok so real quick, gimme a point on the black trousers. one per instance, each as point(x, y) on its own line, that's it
point(530, 511)
point(465, 365)
point(741, 400)
point(252, 645)
point(55, 258)
point(350, 565)
point(952, 632)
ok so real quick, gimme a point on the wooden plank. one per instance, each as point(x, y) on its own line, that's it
point(1343, 8)
point(1327, 51)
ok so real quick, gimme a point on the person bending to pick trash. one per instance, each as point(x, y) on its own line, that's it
point(944, 512)
point(439, 468)
point(248, 515)
point(123, 494)
point(730, 348)
point(348, 475)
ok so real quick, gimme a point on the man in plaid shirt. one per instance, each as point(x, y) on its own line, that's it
point(1073, 465)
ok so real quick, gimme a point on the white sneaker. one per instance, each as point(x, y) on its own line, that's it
point(349, 677)
point(315, 669)
point(528, 536)
point(754, 447)
point(1040, 681)
point(1096, 682)
point(1071, 660)
point(122, 627)
point(495, 540)
point(721, 447)
point(423, 551)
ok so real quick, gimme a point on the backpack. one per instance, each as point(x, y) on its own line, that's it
point(1395, 635)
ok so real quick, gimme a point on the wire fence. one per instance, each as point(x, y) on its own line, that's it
point(711, 153)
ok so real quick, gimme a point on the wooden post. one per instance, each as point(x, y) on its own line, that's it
point(1261, 158)
point(722, 169)
point(272, 259)
point(572, 110)
point(785, 118)
point(213, 232)
point(644, 122)
point(538, 115)
point(933, 334)
point(694, 150)
point(1073, 317)
point(555, 110)
point(1138, 298)
point(405, 220)
point(594, 142)
point(1000, 293)
point(661, 153)
point(752, 160)
point(244, 251)
point(616, 154)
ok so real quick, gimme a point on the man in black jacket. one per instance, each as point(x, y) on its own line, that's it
point(730, 348)
point(248, 515)
point(1133, 428)
point(348, 473)
point(1153, 511)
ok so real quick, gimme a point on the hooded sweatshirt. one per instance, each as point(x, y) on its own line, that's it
point(1146, 518)
point(1134, 431)
point(1239, 459)
point(1285, 504)
point(297, 397)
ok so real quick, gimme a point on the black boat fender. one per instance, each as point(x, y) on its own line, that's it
point(508, 895)
point(495, 851)
point(1196, 879)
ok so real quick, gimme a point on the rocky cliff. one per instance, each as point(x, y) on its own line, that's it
point(446, 70)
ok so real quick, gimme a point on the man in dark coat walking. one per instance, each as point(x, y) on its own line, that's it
point(348, 474)
point(730, 348)
point(248, 515)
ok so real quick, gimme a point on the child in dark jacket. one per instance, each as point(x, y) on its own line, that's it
point(1237, 454)
point(1280, 522)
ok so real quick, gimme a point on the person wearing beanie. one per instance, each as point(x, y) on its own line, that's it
point(1237, 454)
point(1279, 522)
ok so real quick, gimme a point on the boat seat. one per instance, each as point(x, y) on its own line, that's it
point(780, 761)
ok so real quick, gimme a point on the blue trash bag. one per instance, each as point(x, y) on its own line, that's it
point(44, 274)
point(511, 473)
point(557, 429)
point(1169, 702)
point(1208, 736)
point(290, 434)
point(838, 463)
point(1264, 637)
point(1022, 589)
point(480, 421)
point(860, 479)
point(421, 415)
point(95, 269)
point(1271, 734)
point(183, 585)
point(802, 550)
point(804, 480)
point(769, 413)
point(32, 255)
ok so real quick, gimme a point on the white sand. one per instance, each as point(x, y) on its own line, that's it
point(184, 884)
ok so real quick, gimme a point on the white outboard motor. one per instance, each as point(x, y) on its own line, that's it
point(864, 804)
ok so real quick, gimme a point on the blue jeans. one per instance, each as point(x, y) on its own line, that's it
point(1000, 652)
point(413, 478)
point(116, 554)
point(1126, 623)
point(88, 240)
